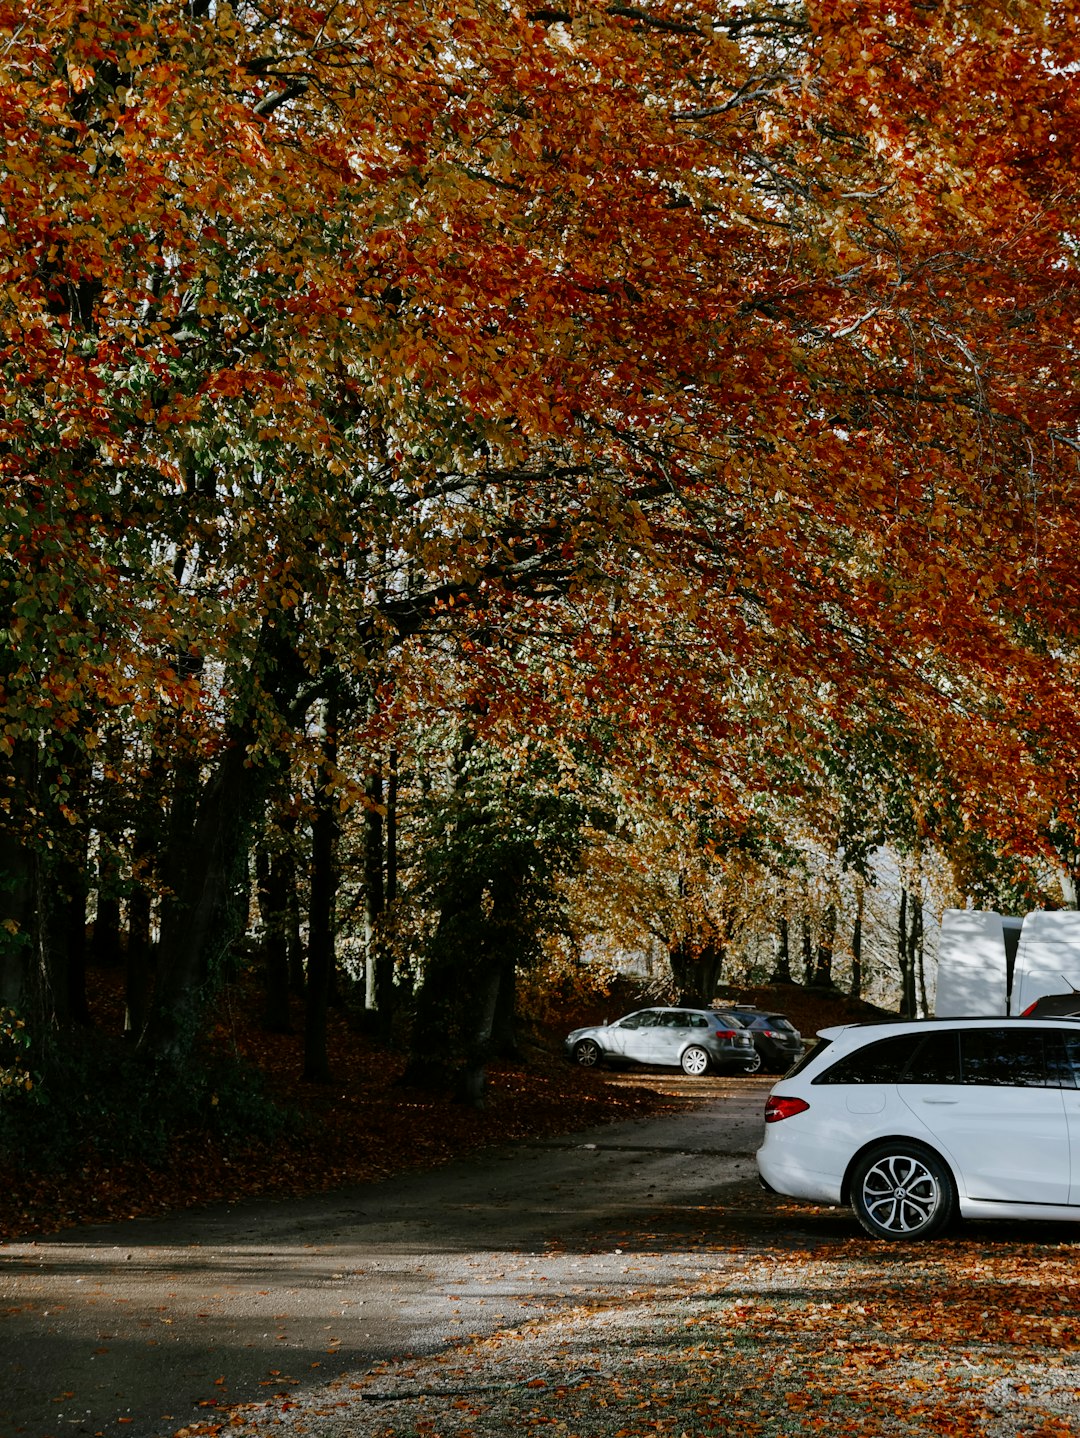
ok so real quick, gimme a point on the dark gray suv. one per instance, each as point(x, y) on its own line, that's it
point(776, 1039)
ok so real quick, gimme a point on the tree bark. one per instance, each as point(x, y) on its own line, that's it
point(905, 953)
point(472, 1083)
point(108, 944)
point(375, 997)
point(271, 878)
point(697, 969)
point(321, 935)
point(504, 1042)
point(916, 963)
point(139, 960)
point(825, 945)
point(781, 970)
point(18, 868)
point(199, 923)
point(807, 946)
point(857, 940)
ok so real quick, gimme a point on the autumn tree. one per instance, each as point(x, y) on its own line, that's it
point(696, 378)
point(495, 837)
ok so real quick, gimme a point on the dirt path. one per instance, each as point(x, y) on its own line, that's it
point(145, 1327)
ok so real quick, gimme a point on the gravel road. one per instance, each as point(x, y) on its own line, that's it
point(144, 1327)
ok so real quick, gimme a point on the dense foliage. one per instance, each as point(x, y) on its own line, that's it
point(677, 399)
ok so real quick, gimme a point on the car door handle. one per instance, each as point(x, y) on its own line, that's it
point(940, 1100)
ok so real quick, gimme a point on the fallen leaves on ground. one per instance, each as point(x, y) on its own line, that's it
point(360, 1127)
point(968, 1337)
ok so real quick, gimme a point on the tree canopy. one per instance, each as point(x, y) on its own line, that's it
point(676, 386)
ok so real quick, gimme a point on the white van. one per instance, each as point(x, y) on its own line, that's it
point(989, 963)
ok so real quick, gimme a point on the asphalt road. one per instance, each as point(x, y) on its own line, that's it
point(141, 1328)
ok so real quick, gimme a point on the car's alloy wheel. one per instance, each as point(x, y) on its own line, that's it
point(587, 1053)
point(901, 1190)
point(694, 1061)
point(752, 1065)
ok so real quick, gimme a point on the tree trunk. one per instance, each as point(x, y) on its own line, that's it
point(18, 868)
point(916, 966)
point(697, 970)
point(807, 945)
point(139, 961)
point(200, 922)
point(453, 991)
point(472, 1083)
point(107, 942)
point(67, 927)
point(321, 935)
point(290, 907)
point(825, 946)
point(108, 946)
point(781, 970)
point(1070, 888)
point(857, 940)
point(504, 1044)
point(375, 999)
point(74, 939)
point(905, 954)
point(271, 876)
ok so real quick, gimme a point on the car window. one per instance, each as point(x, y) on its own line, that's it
point(644, 1019)
point(729, 1018)
point(675, 1019)
point(936, 1060)
point(880, 1062)
point(817, 1048)
point(1062, 1059)
point(698, 1021)
point(1012, 1058)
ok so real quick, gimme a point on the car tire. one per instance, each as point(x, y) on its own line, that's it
point(588, 1053)
point(902, 1190)
point(694, 1061)
point(754, 1065)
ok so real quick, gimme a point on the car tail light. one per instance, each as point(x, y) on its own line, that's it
point(725, 1033)
point(1028, 1010)
point(778, 1107)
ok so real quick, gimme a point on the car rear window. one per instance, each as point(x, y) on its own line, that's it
point(1006, 1058)
point(1063, 1059)
point(883, 1061)
point(817, 1047)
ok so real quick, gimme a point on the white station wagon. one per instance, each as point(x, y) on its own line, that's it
point(915, 1122)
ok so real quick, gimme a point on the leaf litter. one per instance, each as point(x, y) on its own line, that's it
point(971, 1337)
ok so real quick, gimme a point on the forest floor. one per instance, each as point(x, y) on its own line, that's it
point(792, 1322)
point(364, 1125)
point(795, 1327)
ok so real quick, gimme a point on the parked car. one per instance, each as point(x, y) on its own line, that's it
point(694, 1040)
point(915, 1122)
point(778, 1042)
point(1054, 1006)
